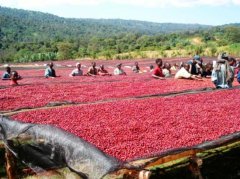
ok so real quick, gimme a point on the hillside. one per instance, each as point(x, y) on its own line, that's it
point(46, 25)
point(32, 36)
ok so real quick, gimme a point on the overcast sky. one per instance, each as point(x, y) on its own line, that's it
point(212, 12)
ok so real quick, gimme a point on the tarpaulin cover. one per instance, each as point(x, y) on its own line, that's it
point(49, 147)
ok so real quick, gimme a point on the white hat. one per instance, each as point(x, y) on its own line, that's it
point(78, 64)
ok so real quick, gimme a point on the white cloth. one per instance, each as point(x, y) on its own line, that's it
point(166, 73)
point(182, 73)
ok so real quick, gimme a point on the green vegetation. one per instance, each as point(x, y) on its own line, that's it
point(27, 36)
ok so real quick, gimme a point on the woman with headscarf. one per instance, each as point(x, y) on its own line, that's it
point(222, 75)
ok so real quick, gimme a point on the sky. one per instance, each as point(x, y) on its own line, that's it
point(209, 12)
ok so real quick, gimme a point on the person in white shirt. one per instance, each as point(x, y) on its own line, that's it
point(136, 68)
point(78, 71)
point(118, 70)
point(167, 70)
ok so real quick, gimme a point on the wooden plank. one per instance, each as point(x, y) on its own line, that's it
point(170, 158)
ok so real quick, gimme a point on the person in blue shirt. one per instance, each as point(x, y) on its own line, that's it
point(7, 74)
point(50, 72)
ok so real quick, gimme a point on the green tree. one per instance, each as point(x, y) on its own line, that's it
point(233, 34)
point(213, 51)
point(64, 50)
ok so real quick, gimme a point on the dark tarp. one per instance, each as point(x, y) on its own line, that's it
point(48, 147)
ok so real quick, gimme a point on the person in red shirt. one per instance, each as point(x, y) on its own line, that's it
point(14, 78)
point(157, 72)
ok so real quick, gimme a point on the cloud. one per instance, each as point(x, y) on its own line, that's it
point(237, 2)
point(36, 4)
point(192, 3)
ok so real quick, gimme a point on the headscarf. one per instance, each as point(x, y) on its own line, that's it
point(221, 62)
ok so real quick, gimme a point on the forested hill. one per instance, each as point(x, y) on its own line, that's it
point(25, 25)
point(33, 36)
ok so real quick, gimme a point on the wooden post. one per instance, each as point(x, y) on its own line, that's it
point(10, 164)
point(194, 166)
